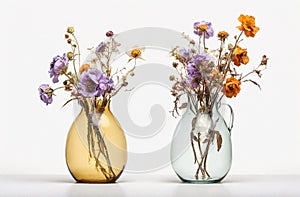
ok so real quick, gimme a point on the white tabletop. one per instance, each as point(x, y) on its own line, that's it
point(150, 185)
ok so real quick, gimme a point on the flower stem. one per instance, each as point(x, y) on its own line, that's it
point(204, 41)
point(93, 130)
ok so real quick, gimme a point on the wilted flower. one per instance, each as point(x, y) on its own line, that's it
point(84, 67)
point(203, 28)
point(57, 66)
point(94, 83)
point(135, 53)
point(186, 54)
point(100, 48)
point(198, 67)
point(222, 35)
point(248, 25)
point(240, 56)
point(231, 87)
point(46, 93)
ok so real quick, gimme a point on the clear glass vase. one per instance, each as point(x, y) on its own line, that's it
point(201, 150)
point(96, 144)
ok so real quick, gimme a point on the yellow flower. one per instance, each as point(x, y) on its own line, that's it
point(135, 53)
point(231, 87)
point(240, 56)
point(248, 25)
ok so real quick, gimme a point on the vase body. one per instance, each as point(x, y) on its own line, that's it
point(201, 150)
point(96, 146)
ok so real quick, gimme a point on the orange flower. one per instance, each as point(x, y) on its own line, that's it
point(231, 87)
point(240, 56)
point(248, 25)
point(223, 35)
point(135, 53)
point(83, 68)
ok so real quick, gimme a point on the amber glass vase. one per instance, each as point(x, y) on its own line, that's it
point(96, 144)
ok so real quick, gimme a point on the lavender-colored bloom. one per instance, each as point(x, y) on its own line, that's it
point(192, 74)
point(186, 54)
point(203, 28)
point(46, 93)
point(57, 65)
point(200, 66)
point(202, 58)
point(94, 83)
point(100, 48)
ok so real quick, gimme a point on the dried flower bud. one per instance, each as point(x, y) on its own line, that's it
point(66, 36)
point(70, 30)
point(65, 82)
point(69, 41)
point(70, 55)
point(264, 60)
point(68, 87)
point(173, 92)
point(192, 42)
point(74, 45)
point(175, 64)
point(108, 72)
point(172, 78)
point(132, 73)
point(109, 34)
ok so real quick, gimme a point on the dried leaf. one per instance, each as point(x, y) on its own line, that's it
point(68, 102)
point(194, 123)
point(195, 138)
point(219, 141)
point(258, 72)
point(254, 82)
point(183, 105)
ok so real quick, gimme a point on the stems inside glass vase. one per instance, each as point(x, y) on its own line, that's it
point(96, 143)
point(196, 135)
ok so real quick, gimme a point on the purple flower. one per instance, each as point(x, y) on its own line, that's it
point(193, 74)
point(203, 28)
point(46, 93)
point(186, 54)
point(94, 83)
point(57, 66)
point(200, 66)
point(100, 48)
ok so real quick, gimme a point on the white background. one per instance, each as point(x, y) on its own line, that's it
point(266, 135)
